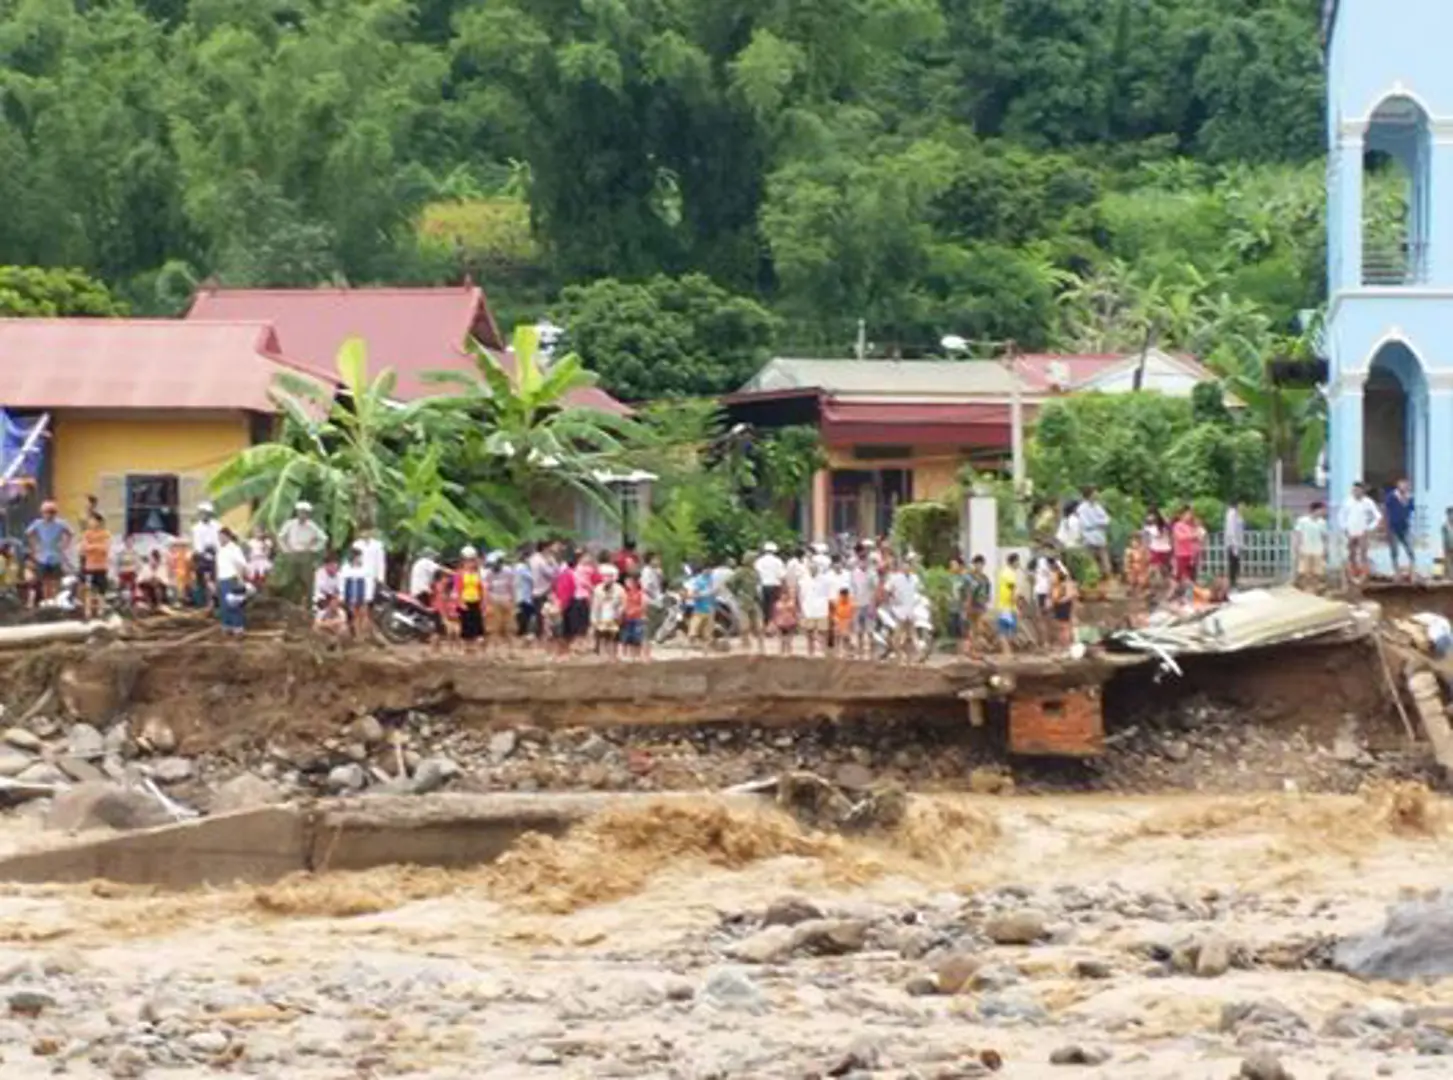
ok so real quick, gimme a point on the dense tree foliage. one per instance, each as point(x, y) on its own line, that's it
point(1059, 173)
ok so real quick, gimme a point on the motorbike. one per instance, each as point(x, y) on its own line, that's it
point(886, 628)
point(726, 620)
point(400, 618)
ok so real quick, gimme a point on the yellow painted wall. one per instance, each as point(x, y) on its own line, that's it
point(935, 470)
point(91, 451)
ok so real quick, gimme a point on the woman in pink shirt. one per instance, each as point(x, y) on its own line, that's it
point(564, 597)
point(1186, 538)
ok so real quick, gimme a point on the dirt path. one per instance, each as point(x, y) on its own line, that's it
point(627, 950)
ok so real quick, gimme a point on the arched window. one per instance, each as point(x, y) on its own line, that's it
point(1397, 160)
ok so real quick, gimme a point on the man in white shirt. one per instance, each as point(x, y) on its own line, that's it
point(1360, 518)
point(375, 563)
point(300, 544)
point(1094, 522)
point(1233, 535)
point(231, 571)
point(771, 572)
point(1309, 537)
point(206, 539)
point(816, 605)
point(421, 576)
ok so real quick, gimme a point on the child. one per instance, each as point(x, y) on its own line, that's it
point(633, 618)
point(332, 619)
point(181, 569)
point(128, 566)
point(151, 580)
point(606, 601)
point(1137, 565)
point(842, 622)
point(469, 598)
point(355, 590)
point(784, 614)
point(1062, 598)
point(441, 602)
point(95, 562)
point(259, 557)
point(702, 600)
point(814, 604)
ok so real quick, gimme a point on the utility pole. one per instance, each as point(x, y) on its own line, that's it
point(861, 351)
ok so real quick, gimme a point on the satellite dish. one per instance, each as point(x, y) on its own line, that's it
point(953, 343)
point(1059, 374)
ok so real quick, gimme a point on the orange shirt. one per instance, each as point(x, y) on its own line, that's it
point(842, 615)
point(95, 550)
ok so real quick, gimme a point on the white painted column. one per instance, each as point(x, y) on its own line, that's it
point(1344, 450)
point(1440, 206)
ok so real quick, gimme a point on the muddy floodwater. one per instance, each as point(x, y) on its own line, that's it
point(1168, 937)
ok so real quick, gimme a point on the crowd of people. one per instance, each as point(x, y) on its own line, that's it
point(862, 598)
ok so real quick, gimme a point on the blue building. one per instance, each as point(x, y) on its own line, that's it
point(1389, 330)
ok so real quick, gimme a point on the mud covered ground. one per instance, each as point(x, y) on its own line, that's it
point(1173, 937)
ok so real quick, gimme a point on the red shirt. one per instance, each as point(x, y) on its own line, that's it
point(564, 587)
point(1186, 538)
point(635, 605)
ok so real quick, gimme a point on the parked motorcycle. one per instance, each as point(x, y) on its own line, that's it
point(400, 618)
point(726, 621)
point(886, 629)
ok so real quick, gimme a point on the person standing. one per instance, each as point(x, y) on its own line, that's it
point(49, 537)
point(300, 543)
point(816, 605)
point(525, 613)
point(746, 590)
point(900, 593)
point(1187, 536)
point(421, 576)
point(1158, 542)
point(543, 566)
point(469, 597)
point(231, 574)
point(1360, 517)
point(1233, 535)
point(863, 579)
point(1008, 603)
point(1309, 538)
point(206, 543)
point(1399, 511)
point(95, 565)
point(771, 573)
point(1094, 522)
point(499, 611)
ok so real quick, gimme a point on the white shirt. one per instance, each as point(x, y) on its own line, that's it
point(1043, 576)
point(231, 562)
point(816, 596)
point(421, 575)
point(865, 585)
point(1234, 531)
point(1360, 517)
point(326, 584)
point(375, 558)
point(771, 570)
point(297, 536)
point(902, 594)
point(838, 580)
point(1311, 536)
point(206, 536)
point(1068, 534)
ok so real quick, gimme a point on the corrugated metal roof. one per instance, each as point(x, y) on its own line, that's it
point(928, 379)
point(138, 364)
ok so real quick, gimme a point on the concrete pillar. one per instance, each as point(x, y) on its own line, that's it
point(1440, 206)
point(1438, 495)
point(1344, 451)
point(1344, 219)
point(821, 505)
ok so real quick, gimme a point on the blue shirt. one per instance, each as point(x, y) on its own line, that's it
point(48, 536)
point(524, 583)
point(702, 599)
point(1399, 514)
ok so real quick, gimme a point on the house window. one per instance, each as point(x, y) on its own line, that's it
point(630, 505)
point(884, 452)
point(153, 503)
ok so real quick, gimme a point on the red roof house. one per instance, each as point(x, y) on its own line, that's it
point(411, 330)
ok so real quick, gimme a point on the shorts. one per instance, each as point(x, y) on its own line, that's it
point(1007, 623)
point(355, 593)
point(1312, 566)
point(633, 632)
point(864, 619)
point(770, 593)
point(97, 580)
point(1160, 560)
point(607, 631)
point(498, 619)
point(1064, 612)
point(48, 571)
point(1041, 601)
point(471, 621)
point(576, 620)
point(814, 626)
point(699, 625)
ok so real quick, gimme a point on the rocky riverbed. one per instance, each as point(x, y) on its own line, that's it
point(1180, 937)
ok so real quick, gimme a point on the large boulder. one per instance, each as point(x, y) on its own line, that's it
point(1415, 942)
point(104, 805)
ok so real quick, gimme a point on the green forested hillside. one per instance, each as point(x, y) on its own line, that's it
point(1063, 173)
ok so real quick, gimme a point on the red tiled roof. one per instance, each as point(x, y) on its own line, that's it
point(409, 330)
point(138, 364)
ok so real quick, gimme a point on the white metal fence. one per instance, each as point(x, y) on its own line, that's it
point(1265, 556)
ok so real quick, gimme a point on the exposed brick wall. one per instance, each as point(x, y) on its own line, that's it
point(1069, 723)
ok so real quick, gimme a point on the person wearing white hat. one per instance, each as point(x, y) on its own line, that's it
point(469, 597)
point(300, 544)
point(206, 540)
